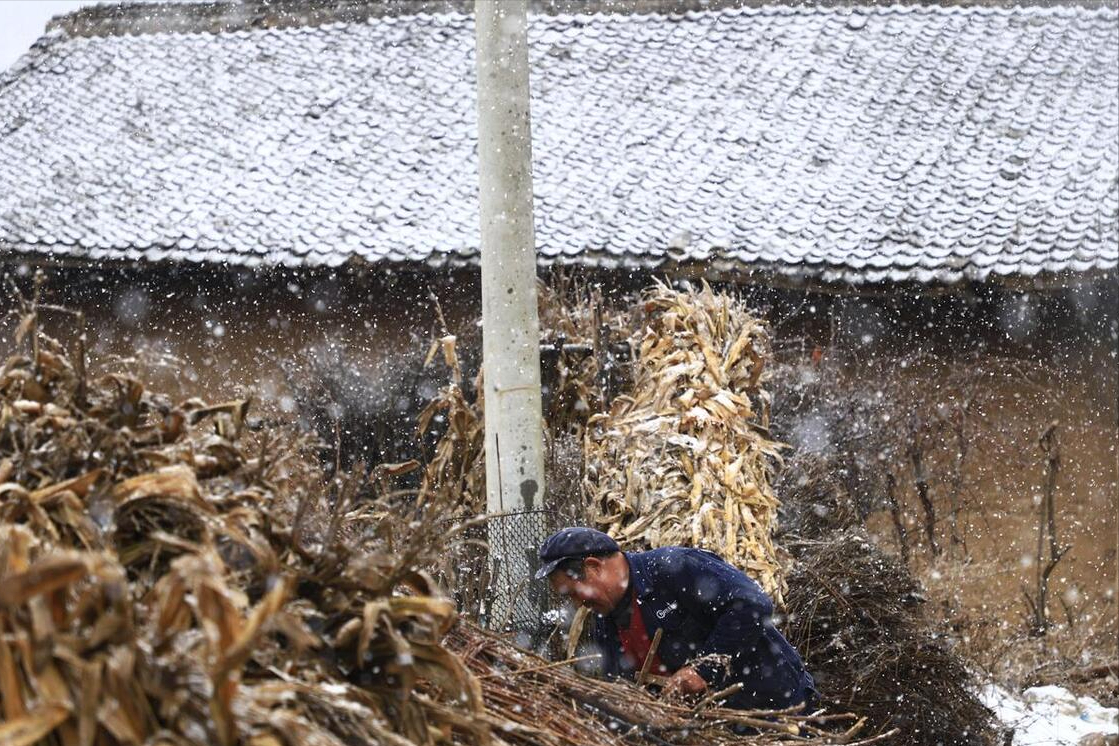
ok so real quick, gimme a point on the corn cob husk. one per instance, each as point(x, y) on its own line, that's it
point(685, 458)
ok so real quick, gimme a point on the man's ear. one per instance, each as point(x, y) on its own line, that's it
point(593, 565)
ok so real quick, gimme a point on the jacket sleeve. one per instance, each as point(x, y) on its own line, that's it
point(708, 587)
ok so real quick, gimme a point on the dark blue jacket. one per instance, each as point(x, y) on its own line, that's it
point(707, 607)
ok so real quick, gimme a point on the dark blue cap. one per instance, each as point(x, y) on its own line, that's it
point(569, 543)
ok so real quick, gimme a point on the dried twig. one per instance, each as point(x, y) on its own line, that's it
point(1047, 526)
point(650, 657)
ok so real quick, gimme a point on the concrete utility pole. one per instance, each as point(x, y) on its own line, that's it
point(511, 328)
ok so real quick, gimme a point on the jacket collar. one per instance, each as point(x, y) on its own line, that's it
point(639, 574)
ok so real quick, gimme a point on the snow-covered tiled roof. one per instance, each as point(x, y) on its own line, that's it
point(929, 144)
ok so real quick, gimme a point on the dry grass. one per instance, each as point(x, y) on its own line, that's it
point(998, 638)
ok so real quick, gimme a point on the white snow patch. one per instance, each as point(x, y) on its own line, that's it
point(1049, 715)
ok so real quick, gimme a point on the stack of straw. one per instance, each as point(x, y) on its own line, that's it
point(549, 704)
point(686, 459)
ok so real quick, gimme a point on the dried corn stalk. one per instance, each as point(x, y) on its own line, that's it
point(456, 471)
point(685, 459)
point(168, 576)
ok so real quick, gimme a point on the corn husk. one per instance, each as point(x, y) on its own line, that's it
point(685, 457)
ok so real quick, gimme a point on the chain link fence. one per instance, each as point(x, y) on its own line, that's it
point(494, 567)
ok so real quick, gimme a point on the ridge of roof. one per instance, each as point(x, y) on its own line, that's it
point(131, 18)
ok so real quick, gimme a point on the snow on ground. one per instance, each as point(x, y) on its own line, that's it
point(1049, 715)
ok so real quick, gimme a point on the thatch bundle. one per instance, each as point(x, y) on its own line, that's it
point(584, 355)
point(685, 457)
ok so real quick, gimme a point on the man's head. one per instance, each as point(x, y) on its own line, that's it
point(585, 565)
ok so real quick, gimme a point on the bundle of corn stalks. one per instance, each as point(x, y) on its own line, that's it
point(168, 576)
point(685, 458)
point(549, 704)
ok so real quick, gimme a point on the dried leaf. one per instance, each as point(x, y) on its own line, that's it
point(44, 576)
point(35, 725)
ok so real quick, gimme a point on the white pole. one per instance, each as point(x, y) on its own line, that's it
point(511, 328)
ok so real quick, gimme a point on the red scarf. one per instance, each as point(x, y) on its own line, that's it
point(636, 643)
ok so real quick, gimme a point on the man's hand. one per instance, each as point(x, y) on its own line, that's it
point(684, 682)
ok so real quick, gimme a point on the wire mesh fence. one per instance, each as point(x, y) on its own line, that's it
point(517, 601)
point(495, 567)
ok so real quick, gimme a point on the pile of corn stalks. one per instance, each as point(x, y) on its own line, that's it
point(685, 458)
point(549, 704)
point(168, 576)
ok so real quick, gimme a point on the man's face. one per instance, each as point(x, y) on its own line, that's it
point(586, 589)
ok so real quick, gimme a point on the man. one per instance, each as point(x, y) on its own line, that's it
point(716, 622)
